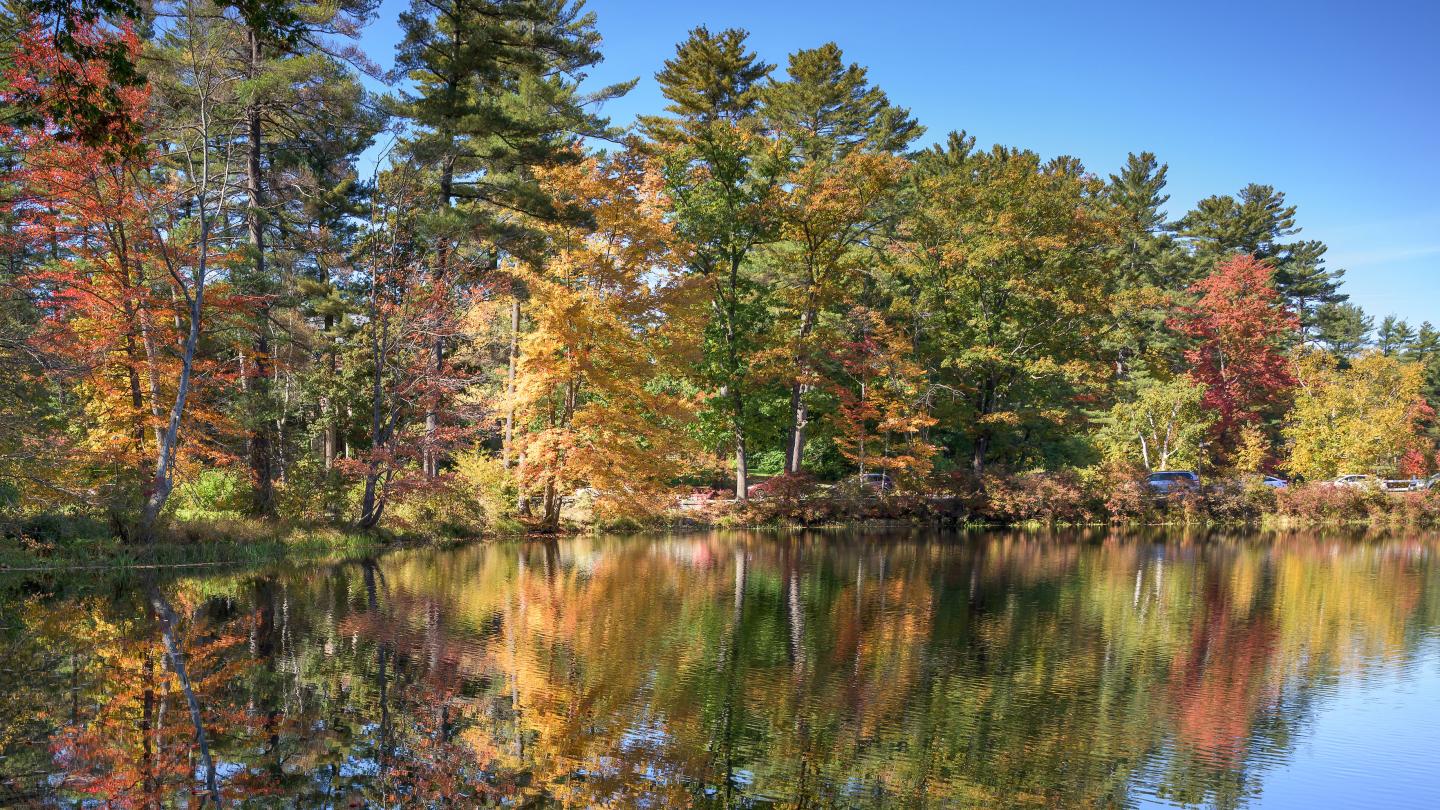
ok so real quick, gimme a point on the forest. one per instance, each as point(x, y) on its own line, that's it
point(247, 274)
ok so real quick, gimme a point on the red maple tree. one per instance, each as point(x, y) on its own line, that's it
point(1239, 325)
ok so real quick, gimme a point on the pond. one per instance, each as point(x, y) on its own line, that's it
point(815, 669)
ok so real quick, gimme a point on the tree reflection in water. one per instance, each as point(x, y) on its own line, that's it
point(712, 670)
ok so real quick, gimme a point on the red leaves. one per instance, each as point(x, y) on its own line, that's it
point(1240, 326)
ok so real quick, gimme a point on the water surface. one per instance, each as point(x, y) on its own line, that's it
point(748, 670)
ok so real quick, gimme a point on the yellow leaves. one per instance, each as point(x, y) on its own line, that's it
point(611, 315)
point(1355, 420)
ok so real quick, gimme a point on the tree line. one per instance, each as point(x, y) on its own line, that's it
point(212, 303)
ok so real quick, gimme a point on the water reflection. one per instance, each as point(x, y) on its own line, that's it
point(722, 670)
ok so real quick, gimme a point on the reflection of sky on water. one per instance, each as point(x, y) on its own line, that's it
point(1372, 743)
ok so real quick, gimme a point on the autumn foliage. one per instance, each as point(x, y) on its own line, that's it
point(1239, 325)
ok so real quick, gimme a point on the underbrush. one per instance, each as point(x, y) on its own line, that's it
point(1327, 504)
point(1074, 497)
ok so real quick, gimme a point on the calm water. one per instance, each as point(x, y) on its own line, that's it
point(748, 670)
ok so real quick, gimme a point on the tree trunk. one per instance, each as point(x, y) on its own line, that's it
point(164, 481)
point(430, 455)
point(506, 448)
point(799, 409)
point(261, 448)
point(742, 470)
point(166, 618)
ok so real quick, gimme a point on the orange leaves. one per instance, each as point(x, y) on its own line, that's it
point(882, 410)
point(595, 399)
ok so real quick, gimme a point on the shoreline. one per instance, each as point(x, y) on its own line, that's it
point(237, 543)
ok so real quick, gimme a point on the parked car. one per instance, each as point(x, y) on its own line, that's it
point(1433, 482)
point(1169, 481)
point(1403, 485)
point(875, 482)
point(1275, 482)
point(1357, 481)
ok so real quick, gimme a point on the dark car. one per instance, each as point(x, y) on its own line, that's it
point(1170, 481)
point(880, 482)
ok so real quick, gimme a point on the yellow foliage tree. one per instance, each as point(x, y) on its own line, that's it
point(613, 320)
point(1364, 418)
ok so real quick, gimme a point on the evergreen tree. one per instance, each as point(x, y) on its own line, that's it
point(1256, 223)
point(1395, 336)
point(495, 97)
point(1151, 271)
point(1343, 329)
point(844, 136)
point(722, 174)
point(826, 108)
point(299, 100)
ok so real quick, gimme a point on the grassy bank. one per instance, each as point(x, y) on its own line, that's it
point(66, 542)
point(197, 543)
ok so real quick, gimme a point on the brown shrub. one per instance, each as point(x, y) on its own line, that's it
point(1046, 497)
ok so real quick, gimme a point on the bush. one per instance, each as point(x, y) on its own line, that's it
point(781, 499)
point(1120, 491)
point(1047, 497)
point(312, 493)
point(442, 509)
point(1244, 499)
point(210, 494)
point(1326, 503)
point(483, 479)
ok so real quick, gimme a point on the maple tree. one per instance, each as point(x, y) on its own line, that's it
point(882, 412)
point(1240, 327)
point(612, 321)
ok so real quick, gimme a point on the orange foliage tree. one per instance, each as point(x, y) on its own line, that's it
point(597, 395)
point(122, 285)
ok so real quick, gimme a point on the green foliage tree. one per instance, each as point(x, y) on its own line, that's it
point(1164, 428)
point(1342, 329)
point(496, 95)
point(723, 173)
point(1007, 278)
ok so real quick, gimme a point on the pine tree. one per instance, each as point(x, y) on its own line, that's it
point(844, 137)
point(722, 174)
point(1395, 336)
point(1151, 270)
point(826, 108)
point(495, 96)
point(1343, 329)
point(1255, 223)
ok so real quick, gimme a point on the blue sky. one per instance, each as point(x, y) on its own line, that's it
point(1336, 104)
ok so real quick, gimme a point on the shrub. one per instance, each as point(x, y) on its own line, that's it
point(1047, 497)
point(782, 498)
point(441, 509)
point(1119, 490)
point(212, 494)
point(483, 479)
point(1326, 503)
point(1244, 499)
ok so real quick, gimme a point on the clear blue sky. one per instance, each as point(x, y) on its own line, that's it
point(1335, 103)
